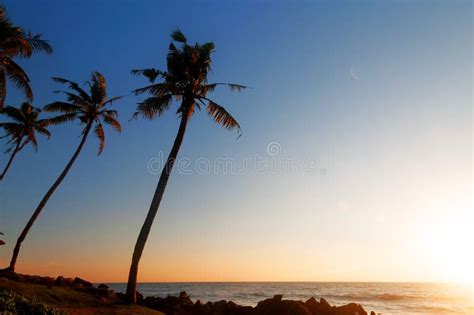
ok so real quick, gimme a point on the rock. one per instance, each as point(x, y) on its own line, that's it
point(245, 310)
point(277, 306)
point(106, 296)
point(121, 296)
point(139, 297)
point(324, 307)
point(184, 298)
point(350, 309)
point(39, 280)
point(312, 305)
point(64, 282)
point(103, 286)
point(183, 305)
point(219, 306)
point(372, 313)
point(81, 283)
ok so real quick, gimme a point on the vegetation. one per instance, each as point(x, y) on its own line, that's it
point(92, 111)
point(12, 303)
point(22, 129)
point(59, 300)
point(186, 81)
point(15, 42)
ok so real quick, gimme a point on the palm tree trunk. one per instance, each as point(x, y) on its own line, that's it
point(155, 203)
point(12, 156)
point(45, 199)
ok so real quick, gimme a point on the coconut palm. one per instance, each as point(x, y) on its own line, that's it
point(92, 111)
point(22, 129)
point(15, 42)
point(186, 81)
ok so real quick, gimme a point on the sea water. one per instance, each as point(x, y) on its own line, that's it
point(384, 298)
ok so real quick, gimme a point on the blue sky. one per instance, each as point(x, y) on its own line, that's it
point(378, 93)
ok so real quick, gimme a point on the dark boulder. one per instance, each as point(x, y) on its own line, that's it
point(103, 286)
point(81, 283)
point(350, 309)
point(139, 297)
point(313, 306)
point(324, 306)
point(277, 306)
point(64, 282)
point(184, 298)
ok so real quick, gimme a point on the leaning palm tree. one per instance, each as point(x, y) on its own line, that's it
point(186, 81)
point(16, 42)
point(22, 129)
point(92, 111)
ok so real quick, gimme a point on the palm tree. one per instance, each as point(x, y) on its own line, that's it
point(186, 81)
point(15, 42)
point(91, 110)
point(22, 129)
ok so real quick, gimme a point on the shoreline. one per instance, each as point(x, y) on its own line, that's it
point(79, 296)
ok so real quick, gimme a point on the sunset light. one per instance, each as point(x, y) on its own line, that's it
point(212, 157)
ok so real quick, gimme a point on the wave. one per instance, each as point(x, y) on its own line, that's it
point(384, 297)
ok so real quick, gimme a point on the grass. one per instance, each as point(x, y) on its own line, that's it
point(68, 300)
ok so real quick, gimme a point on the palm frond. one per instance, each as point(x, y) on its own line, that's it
point(13, 113)
point(73, 86)
point(3, 87)
point(154, 106)
point(99, 132)
point(39, 45)
point(31, 138)
point(232, 86)
point(62, 107)
point(111, 100)
point(61, 119)
point(178, 36)
point(16, 74)
point(208, 47)
point(73, 98)
point(98, 88)
point(151, 73)
point(110, 112)
point(12, 130)
point(155, 89)
point(112, 122)
point(221, 116)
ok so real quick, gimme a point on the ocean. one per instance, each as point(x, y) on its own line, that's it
point(383, 298)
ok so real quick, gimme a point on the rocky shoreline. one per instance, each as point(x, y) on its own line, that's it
point(183, 305)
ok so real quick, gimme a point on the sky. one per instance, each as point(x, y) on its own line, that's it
point(355, 161)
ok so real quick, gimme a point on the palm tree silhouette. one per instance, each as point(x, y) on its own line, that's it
point(91, 110)
point(15, 42)
point(186, 81)
point(22, 129)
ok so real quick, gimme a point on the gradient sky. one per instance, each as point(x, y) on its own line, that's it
point(378, 93)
